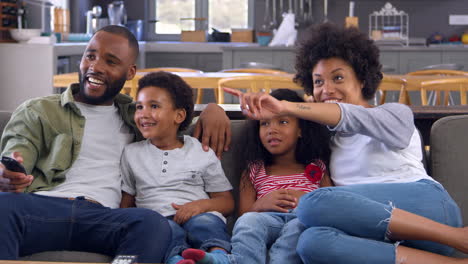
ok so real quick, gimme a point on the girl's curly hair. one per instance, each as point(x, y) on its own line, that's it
point(328, 40)
point(313, 143)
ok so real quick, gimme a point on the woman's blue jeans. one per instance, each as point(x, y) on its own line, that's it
point(32, 223)
point(202, 231)
point(349, 224)
point(258, 237)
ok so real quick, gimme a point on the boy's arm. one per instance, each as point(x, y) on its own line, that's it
point(222, 202)
point(127, 200)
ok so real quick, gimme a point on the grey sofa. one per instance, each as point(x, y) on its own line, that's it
point(449, 159)
point(449, 149)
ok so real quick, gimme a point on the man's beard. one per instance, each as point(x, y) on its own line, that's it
point(112, 89)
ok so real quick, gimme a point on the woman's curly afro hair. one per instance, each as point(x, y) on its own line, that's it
point(326, 41)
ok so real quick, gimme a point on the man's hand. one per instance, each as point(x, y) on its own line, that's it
point(186, 211)
point(14, 181)
point(277, 201)
point(213, 129)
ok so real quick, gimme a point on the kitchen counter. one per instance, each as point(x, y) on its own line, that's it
point(381, 48)
point(77, 48)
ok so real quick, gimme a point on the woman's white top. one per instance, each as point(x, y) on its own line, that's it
point(376, 145)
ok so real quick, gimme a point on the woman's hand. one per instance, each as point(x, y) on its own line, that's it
point(280, 200)
point(258, 105)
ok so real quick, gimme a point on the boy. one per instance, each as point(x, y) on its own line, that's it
point(173, 175)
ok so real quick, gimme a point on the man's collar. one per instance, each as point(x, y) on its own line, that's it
point(67, 96)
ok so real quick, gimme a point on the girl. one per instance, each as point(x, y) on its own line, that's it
point(285, 158)
point(384, 208)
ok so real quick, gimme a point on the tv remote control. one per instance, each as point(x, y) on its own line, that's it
point(13, 165)
point(124, 259)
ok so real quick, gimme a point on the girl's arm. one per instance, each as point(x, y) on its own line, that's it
point(222, 202)
point(296, 193)
point(127, 200)
point(247, 194)
point(326, 180)
point(276, 201)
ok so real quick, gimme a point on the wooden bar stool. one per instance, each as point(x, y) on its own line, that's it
point(176, 69)
point(256, 83)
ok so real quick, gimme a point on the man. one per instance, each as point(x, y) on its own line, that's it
point(70, 144)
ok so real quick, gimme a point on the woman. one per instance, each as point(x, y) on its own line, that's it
point(385, 208)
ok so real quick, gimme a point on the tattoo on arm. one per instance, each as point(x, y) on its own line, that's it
point(303, 107)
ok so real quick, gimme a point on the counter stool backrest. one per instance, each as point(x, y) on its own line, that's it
point(447, 85)
point(199, 97)
point(256, 83)
point(445, 66)
point(393, 84)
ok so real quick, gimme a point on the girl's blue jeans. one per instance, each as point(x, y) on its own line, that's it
point(32, 223)
point(266, 236)
point(349, 224)
point(202, 231)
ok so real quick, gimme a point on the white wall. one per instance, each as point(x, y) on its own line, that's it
point(26, 71)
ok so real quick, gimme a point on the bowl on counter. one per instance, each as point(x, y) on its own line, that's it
point(23, 35)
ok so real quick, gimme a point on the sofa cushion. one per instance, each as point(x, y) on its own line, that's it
point(231, 162)
point(449, 152)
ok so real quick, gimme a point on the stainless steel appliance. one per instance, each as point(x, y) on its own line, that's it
point(117, 13)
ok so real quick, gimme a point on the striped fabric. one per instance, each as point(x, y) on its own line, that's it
point(265, 184)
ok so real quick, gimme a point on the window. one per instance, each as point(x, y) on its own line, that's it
point(169, 13)
point(221, 15)
point(227, 14)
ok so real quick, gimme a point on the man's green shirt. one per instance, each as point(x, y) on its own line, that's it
point(48, 132)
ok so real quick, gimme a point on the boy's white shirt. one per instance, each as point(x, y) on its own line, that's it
point(157, 178)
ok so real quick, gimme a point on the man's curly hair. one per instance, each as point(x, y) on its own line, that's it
point(181, 93)
point(328, 40)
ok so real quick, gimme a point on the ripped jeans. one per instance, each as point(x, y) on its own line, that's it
point(348, 224)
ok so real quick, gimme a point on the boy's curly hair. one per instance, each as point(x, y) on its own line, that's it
point(181, 93)
point(313, 143)
point(326, 41)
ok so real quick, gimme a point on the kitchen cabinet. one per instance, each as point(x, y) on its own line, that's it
point(415, 60)
point(458, 57)
point(200, 61)
point(279, 57)
point(401, 59)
